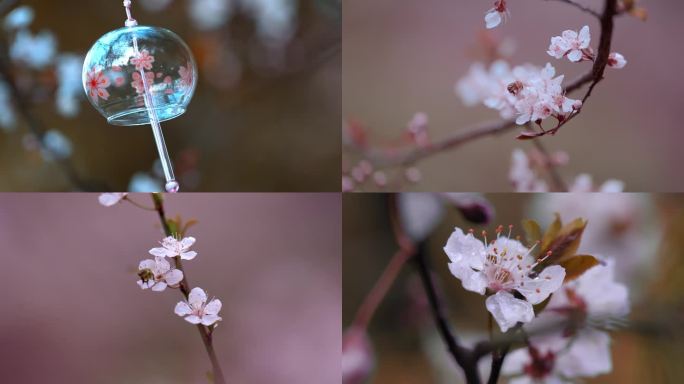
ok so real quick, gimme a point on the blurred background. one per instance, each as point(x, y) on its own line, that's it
point(265, 115)
point(405, 57)
point(73, 313)
point(643, 233)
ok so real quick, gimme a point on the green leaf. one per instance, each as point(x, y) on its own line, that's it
point(577, 265)
point(173, 226)
point(186, 226)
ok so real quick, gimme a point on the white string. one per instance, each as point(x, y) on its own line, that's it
point(171, 183)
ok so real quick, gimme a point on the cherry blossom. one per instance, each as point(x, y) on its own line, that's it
point(96, 85)
point(357, 356)
point(137, 82)
point(574, 45)
point(522, 176)
point(595, 299)
point(172, 247)
point(157, 274)
point(109, 199)
point(185, 73)
point(525, 91)
point(142, 60)
point(197, 311)
point(616, 60)
point(496, 15)
point(501, 267)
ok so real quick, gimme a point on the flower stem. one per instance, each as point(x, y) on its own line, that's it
point(205, 333)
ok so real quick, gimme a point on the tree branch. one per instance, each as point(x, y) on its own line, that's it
point(580, 7)
point(383, 158)
point(205, 332)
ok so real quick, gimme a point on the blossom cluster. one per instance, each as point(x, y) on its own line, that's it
point(526, 168)
point(580, 303)
point(157, 274)
point(526, 92)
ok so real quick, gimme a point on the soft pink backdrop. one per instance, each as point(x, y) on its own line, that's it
point(72, 313)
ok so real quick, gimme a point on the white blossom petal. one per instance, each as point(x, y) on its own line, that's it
point(161, 252)
point(173, 277)
point(213, 307)
point(474, 281)
point(508, 311)
point(109, 199)
point(584, 37)
point(159, 286)
point(147, 264)
point(492, 19)
point(588, 356)
point(182, 309)
point(193, 319)
point(575, 55)
point(197, 297)
point(539, 288)
point(188, 255)
point(465, 249)
point(210, 319)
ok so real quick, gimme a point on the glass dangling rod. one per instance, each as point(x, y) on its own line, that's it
point(171, 183)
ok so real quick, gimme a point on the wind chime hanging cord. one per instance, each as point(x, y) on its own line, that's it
point(171, 183)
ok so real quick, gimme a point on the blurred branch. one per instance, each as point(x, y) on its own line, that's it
point(412, 155)
point(556, 179)
point(36, 126)
point(204, 331)
point(580, 7)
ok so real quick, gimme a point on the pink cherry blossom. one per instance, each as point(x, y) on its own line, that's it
point(137, 82)
point(574, 45)
point(496, 15)
point(501, 267)
point(172, 247)
point(109, 199)
point(616, 60)
point(96, 85)
point(157, 274)
point(142, 60)
point(197, 311)
point(185, 73)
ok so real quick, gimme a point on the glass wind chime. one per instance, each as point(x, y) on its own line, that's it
point(138, 75)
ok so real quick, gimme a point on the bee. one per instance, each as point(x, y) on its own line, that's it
point(146, 275)
point(515, 87)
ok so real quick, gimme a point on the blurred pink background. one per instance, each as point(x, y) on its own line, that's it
point(72, 312)
point(402, 57)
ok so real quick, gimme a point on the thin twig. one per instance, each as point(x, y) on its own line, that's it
point(379, 290)
point(204, 331)
point(558, 183)
point(581, 7)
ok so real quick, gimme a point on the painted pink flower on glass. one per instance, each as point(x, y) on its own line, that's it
point(196, 310)
point(185, 73)
point(143, 60)
point(96, 84)
point(137, 82)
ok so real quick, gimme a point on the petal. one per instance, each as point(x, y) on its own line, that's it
point(144, 285)
point(465, 250)
point(147, 264)
point(187, 242)
point(197, 297)
point(510, 247)
point(213, 307)
point(508, 311)
point(173, 277)
point(474, 281)
point(538, 289)
point(109, 199)
point(584, 37)
point(188, 255)
point(160, 286)
point(210, 319)
point(575, 55)
point(193, 319)
point(182, 309)
point(515, 362)
point(588, 356)
point(569, 35)
point(161, 252)
point(492, 19)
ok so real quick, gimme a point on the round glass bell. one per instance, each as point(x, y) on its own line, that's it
point(141, 75)
point(126, 62)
